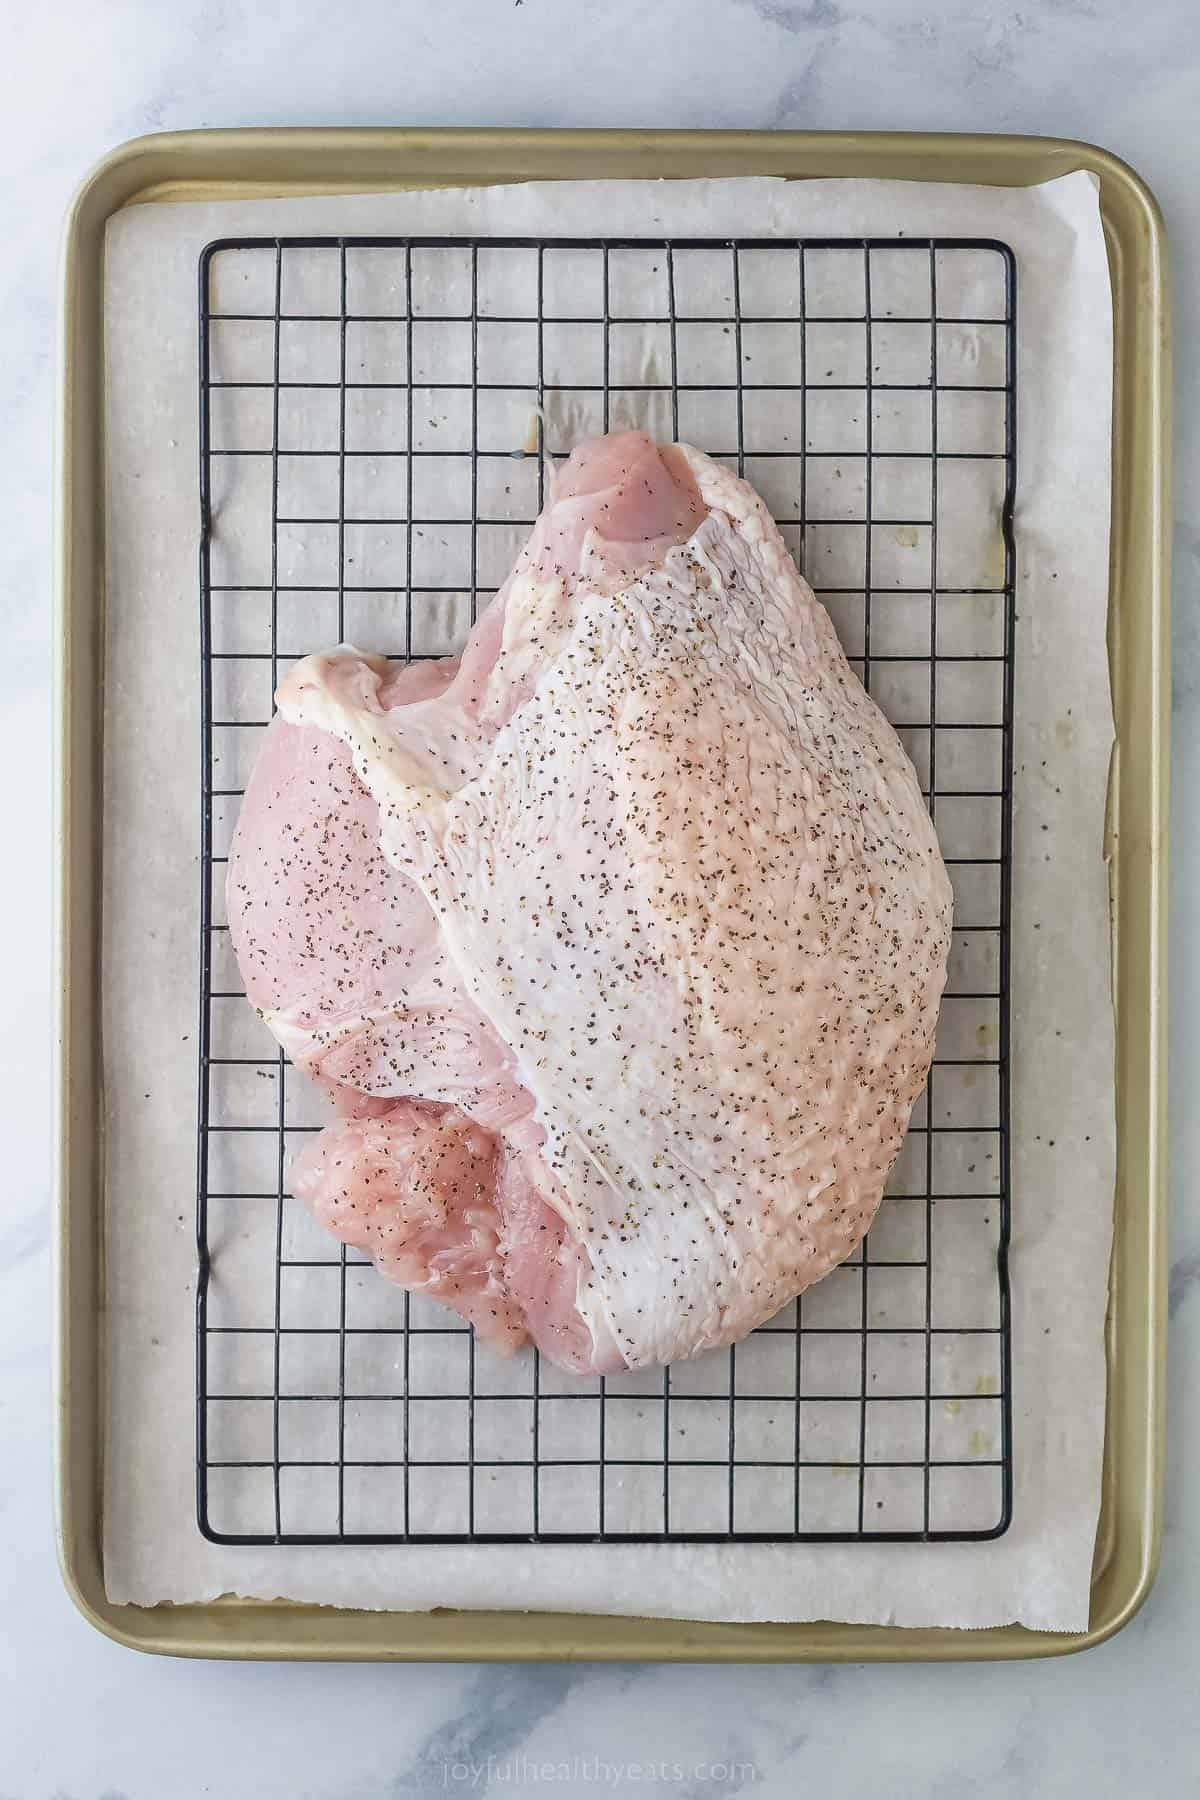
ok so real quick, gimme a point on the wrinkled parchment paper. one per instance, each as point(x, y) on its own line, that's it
point(1062, 1084)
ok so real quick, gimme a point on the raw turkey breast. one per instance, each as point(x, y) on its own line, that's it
point(619, 941)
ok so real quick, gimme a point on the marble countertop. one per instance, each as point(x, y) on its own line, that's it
point(82, 1718)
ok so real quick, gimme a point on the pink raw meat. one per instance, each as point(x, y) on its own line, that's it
point(645, 887)
point(415, 1187)
point(447, 1211)
point(344, 962)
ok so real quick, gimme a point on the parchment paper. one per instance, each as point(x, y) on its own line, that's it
point(1062, 1080)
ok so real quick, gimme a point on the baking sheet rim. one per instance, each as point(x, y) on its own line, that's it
point(172, 166)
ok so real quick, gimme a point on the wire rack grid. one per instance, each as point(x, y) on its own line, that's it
point(375, 418)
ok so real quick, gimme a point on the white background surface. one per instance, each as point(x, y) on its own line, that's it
point(80, 1717)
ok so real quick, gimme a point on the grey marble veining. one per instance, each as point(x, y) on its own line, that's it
point(80, 1718)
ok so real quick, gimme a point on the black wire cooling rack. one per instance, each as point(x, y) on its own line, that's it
point(373, 417)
